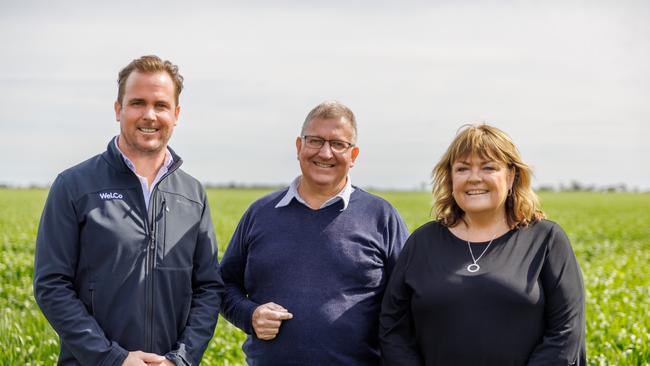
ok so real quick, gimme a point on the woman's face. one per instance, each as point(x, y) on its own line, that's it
point(480, 186)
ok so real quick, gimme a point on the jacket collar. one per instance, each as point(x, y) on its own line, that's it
point(114, 158)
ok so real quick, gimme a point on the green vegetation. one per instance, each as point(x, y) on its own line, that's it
point(609, 232)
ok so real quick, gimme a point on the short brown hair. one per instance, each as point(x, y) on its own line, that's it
point(522, 204)
point(331, 109)
point(149, 64)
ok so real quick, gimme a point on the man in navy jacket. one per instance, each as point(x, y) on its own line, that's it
point(306, 268)
point(126, 267)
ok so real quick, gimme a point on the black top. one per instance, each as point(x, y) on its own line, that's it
point(525, 306)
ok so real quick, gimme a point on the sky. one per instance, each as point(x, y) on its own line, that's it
point(569, 81)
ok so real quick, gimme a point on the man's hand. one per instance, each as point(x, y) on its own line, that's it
point(164, 363)
point(139, 358)
point(267, 319)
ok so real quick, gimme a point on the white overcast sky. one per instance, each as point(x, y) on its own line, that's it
point(568, 80)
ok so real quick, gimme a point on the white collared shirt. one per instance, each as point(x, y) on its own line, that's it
point(146, 190)
point(292, 193)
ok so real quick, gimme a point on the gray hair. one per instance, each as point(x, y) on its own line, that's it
point(331, 109)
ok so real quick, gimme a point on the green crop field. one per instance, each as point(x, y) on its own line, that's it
point(609, 232)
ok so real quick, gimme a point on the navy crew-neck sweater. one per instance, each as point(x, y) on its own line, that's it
point(328, 267)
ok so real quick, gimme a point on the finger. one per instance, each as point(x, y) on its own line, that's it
point(285, 316)
point(266, 321)
point(266, 331)
point(270, 324)
point(269, 331)
point(164, 363)
point(274, 306)
point(266, 337)
point(278, 315)
point(151, 357)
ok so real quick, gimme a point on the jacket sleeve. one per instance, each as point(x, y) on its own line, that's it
point(207, 289)
point(237, 307)
point(396, 328)
point(55, 263)
point(564, 337)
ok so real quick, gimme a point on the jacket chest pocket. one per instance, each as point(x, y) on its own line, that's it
point(113, 228)
point(177, 227)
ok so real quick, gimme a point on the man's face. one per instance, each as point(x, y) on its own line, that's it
point(147, 113)
point(322, 169)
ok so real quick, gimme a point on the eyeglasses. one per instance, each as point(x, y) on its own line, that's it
point(337, 146)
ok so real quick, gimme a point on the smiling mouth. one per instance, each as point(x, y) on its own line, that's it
point(323, 165)
point(475, 192)
point(147, 130)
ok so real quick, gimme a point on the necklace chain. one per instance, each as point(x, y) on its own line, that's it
point(474, 267)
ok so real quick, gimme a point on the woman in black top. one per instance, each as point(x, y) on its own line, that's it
point(490, 282)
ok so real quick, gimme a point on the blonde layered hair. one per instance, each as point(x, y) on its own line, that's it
point(487, 142)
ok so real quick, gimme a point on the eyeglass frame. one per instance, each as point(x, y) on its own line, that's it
point(329, 142)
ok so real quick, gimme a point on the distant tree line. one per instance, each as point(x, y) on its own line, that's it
point(238, 185)
point(576, 186)
point(573, 186)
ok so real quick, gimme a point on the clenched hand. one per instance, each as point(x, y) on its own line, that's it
point(139, 358)
point(267, 319)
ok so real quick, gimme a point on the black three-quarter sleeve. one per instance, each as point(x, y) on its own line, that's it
point(396, 328)
point(563, 341)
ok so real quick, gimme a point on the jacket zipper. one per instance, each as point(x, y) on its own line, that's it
point(151, 258)
point(150, 224)
point(92, 298)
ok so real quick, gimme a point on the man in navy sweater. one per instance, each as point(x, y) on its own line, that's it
point(306, 268)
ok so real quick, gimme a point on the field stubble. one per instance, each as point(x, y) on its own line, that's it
point(610, 234)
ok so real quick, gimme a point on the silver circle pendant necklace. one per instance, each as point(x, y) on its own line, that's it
point(474, 267)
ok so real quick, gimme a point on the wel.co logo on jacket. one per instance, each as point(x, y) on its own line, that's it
point(110, 196)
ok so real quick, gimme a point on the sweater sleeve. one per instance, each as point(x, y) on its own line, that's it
point(564, 337)
point(396, 235)
point(207, 288)
point(396, 328)
point(55, 263)
point(237, 308)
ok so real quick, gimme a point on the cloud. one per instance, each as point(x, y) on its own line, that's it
point(568, 80)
